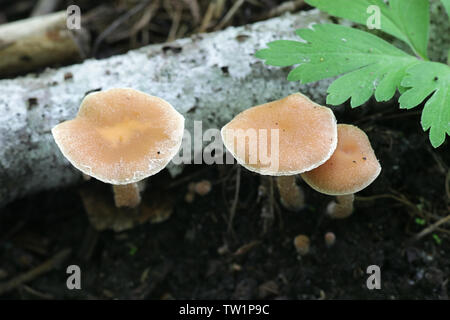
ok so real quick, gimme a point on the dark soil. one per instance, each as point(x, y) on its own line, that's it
point(193, 255)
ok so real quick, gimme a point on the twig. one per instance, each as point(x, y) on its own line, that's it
point(220, 5)
point(194, 8)
point(89, 243)
point(442, 167)
point(176, 18)
point(399, 199)
point(207, 17)
point(44, 7)
point(144, 20)
point(284, 7)
point(13, 230)
point(34, 273)
point(447, 184)
point(246, 247)
point(117, 23)
point(383, 116)
point(45, 296)
point(431, 228)
point(230, 14)
point(236, 198)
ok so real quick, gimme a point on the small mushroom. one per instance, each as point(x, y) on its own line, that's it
point(301, 244)
point(351, 168)
point(330, 239)
point(121, 136)
point(307, 137)
point(203, 187)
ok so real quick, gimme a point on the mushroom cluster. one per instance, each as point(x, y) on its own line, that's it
point(333, 159)
point(300, 148)
point(121, 136)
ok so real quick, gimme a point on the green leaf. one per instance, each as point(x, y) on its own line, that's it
point(446, 4)
point(369, 63)
point(424, 79)
point(407, 20)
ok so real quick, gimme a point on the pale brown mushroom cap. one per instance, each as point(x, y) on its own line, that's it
point(307, 134)
point(121, 136)
point(351, 168)
point(302, 243)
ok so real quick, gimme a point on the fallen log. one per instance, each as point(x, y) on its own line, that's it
point(36, 42)
point(208, 77)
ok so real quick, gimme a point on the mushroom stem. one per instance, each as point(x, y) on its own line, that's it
point(291, 195)
point(127, 195)
point(342, 207)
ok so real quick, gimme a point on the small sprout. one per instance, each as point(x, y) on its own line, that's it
point(203, 187)
point(301, 243)
point(330, 239)
point(223, 249)
point(132, 249)
point(236, 267)
point(420, 222)
point(437, 239)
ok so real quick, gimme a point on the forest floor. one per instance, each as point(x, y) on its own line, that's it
point(197, 253)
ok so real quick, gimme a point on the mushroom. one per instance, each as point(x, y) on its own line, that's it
point(203, 187)
point(330, 239)
point(121, 136)
point(301, 244)
point(294, 133)
point(351, 168)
